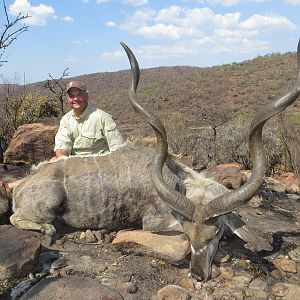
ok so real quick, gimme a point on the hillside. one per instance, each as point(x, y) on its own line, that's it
point(193, 96)
point(206, 111)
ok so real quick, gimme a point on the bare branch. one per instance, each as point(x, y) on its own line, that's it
point(58, 88)
point(10, 32)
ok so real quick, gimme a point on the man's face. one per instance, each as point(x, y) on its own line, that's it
point(77, 99)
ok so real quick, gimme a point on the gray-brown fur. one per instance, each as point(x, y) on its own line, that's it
point(112, 191)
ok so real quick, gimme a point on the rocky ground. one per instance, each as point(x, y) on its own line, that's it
point(87, 264)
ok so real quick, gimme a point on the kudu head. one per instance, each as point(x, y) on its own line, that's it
point(204, 223)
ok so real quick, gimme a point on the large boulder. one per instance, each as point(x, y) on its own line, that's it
point(9, 173)
point(71, 288)
point(31, 143)
point(19, 252)
point(170, 247)
point(230, 175)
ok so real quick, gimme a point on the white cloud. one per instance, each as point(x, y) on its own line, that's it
point(154, 51)
point(267, 23)
point(231, 2)
point(221, 2)
point(158, 51)
point(187, 29)
point(102, 1)
point(136, 2)
point(85, 1)
point(38, 14)
point(293, 2)
point(68, 19)
point(111, 24)
point(176, 22)
point(112, 55)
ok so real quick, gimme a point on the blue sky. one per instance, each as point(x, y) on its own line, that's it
point(84, 35)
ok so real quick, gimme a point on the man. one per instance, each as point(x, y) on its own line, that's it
point(83, 131)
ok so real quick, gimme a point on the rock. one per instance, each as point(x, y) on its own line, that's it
point(256, 294)
point(130, 287)
point(276, 274)
point(215, 271)
point(225, 258)
point(285, 264)
point(291, 182)
point(85, 263)
point(255, 202)
point(246, 174)
point(233, 294)
point(286, 291)
point(240, 281)
point(88, 236)
point(3, 206)
point(229, 175)
point(227, 272)
point(275, 184)
point(71, 288)
point(108, 238)
point(187, 282)
point(295, 255)
point(31, 143)
point(172, 248)
point(19, 252)
point(98, 234)
point(171, 292)
point(258, 284)
point(9, 173)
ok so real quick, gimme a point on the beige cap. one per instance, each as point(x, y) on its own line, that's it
point(77, 84)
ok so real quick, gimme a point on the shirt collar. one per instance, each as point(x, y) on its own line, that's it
point(84, 114)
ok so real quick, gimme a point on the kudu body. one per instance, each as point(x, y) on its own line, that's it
point(116, 191)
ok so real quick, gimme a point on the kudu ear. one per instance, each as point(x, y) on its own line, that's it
point(238, 227)
point(189, 230)
point(177, 168)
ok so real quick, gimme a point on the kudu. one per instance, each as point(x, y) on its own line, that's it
point(204, 223)
point(115, 192)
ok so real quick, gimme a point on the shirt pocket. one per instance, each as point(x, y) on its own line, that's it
point(87, 139)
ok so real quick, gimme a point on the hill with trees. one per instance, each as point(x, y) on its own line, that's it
point(206, 110)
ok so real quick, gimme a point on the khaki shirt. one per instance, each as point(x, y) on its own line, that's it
point(94, 132)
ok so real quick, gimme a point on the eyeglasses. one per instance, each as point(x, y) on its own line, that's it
point(78, 95)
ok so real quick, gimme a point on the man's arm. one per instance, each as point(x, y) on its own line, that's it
point(63, 140)
point(112, 134)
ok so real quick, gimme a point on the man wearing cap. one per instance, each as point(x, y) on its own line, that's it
point(84, 130)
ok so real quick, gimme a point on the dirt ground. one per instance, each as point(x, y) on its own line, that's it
point(239, 273)
point(236, 267)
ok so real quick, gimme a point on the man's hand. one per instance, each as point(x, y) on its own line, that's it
point(59, 154)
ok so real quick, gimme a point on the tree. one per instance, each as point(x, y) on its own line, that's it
point(11, 30)
point(17, 107)
point(58, 88)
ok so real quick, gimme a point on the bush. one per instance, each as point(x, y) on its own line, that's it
point(18, 108)
point(228, 143)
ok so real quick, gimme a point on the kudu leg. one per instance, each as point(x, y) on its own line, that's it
point(22, 222)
